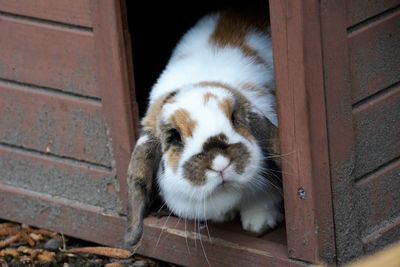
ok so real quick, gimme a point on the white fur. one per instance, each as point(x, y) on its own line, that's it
point(143, 139)
point(195, 60)
point(220, 163)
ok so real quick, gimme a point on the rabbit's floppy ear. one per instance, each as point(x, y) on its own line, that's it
point(267, 134)
point(142, 167)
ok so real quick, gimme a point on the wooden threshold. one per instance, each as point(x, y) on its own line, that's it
point(224, 245)
point(164, 238)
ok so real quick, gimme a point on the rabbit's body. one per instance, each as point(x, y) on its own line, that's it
point(197, 58)
point(212, 122)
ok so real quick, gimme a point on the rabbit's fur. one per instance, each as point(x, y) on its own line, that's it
point(210, 127)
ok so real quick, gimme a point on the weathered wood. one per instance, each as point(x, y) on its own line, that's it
point(116, 86)
point(68, 179)
point(377, 131)
point(301, 107)
point(54, 123)
point(360, 10)
point(374, 52)
point(75, 12)
point(379, 205)
point(61, 215)
point(226, 248)
point(48, 55)
point(360, 134)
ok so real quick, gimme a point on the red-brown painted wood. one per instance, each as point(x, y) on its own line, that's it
point(62, 215)
point(362, 137)
point(300, 93)
point(53, 123)
point(60, 177)
point(374, 52)
point(48, 55)
point(377, 132)
point(380, 200)
point(167, 239)
point(75, 12)
point(120, 108)
point(360, 10)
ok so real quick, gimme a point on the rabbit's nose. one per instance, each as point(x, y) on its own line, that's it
point(220, 163)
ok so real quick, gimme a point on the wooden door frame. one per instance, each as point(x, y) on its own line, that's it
point(298, 61)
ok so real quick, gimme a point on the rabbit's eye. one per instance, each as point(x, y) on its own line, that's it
point(174, 137)
point(233, 117)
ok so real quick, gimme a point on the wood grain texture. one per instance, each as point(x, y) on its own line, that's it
point(360, 10)
point(374, 53)
point(365, 211)
point(59, 177)
point(54, 123)
point(302, 125)
point(116, 86)
point(379, 205)
point(69, 217)
point(377, 132)
point(224, 248)
point(75, 12)
point(48, 55)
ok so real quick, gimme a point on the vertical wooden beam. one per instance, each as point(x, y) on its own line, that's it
point(298, 61)
point(115, 75)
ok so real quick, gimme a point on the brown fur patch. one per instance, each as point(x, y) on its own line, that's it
point(243, 131)
point(173, 156)
point(233, 27)
point(260, 90)
point(226, 106)
point(195, 168)
point(149, 122)
point(207, 96)
point(182, 120)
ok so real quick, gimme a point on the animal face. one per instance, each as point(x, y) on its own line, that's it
point(207, 145)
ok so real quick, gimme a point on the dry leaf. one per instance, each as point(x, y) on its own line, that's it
point(7, 225)
point(114, 264)
point(46, 256)
point(36, 237)
point(8, 252)
point(103, 251)
point(9, 240)
point(27, 238)
point(29, 251)
point(12, 230)
point(44, 232)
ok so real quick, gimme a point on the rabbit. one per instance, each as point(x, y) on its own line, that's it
point(210, 128)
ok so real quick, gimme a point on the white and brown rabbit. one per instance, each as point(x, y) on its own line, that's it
point(211, 127)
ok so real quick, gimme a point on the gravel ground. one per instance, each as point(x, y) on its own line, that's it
point(22, 245)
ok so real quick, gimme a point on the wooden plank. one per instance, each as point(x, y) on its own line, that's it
point(377, 132)
point(180, 246)
point(53, 123)
point(360, 10)
point(379, 202)
point(58, 177)
point(92, 223)
point(115, 71)
point(303, 136)
point(375, 56)
point(48, 55)
point(388, 233)
point(340, 127)
point(76, 12)
point(57, 214)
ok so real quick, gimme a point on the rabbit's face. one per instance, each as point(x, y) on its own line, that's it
point(207, 145)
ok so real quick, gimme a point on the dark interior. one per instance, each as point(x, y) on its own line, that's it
point(155, 30)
